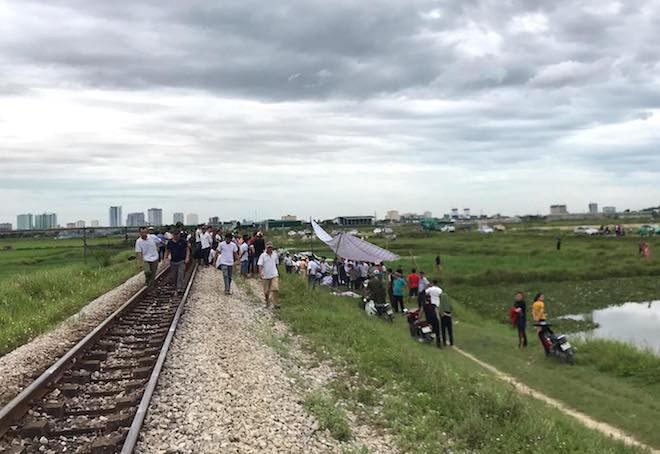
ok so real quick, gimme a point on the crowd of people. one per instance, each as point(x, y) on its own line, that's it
point(252, 255)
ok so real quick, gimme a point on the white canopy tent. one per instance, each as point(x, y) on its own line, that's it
point(349, 247)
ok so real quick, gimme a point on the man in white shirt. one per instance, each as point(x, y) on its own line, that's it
point(206, 242)
point(146, 247)
point(244, 255)
point(227, 254)
point(431, 310)
point(312, 271)
point(267, 264)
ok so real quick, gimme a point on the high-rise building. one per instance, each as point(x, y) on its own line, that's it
point(393, 215)
point(115, 216)
point(609, 210)
point(558, 209)
point(454, 213)
point(95, 222)
point(135, 220)
point(427, 215)
point(80, 224)
point(192, 219)
point(24, 222)
point(214, 221)
point(5, 226)
point(70, 225)
point(593, 208)
point(466, 213)
point(155, 216)
point(289, 217)
point(177, 217)
point(45, 221)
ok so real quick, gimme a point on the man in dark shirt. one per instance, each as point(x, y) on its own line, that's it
point(259, 247)
point(178, 251)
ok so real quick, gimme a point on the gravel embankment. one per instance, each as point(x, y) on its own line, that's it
point(20, 366)
point(224, 390)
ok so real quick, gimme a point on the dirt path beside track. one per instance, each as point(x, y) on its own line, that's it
point(586, 420)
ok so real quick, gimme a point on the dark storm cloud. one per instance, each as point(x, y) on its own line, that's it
point(480, 85)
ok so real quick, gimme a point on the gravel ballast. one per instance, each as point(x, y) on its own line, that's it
point(20, 366)
point(224, 390)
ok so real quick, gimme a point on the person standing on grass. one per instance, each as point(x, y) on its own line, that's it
point(413, 286)
point(519, 318)
point(312, 271)
point(421, 288)
point(146, 247)
point(335, 273)
point(432, 309)
point(288, 263)
point(445, 312)
point(390, 283)
point(558, 242)
point(353, 275)
point(243, 252)
point(269, 274)
point(538, 314)
point(398, 287)
point(438, 264)
point(228, 255)
point(178, 251)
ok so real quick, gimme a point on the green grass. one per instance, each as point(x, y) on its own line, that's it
point(32, 303)
point(329, 415)
point(431, 400)
point(28, 255)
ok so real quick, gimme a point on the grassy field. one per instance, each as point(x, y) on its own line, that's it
point(20, 257)
point(431, 400)
point(612, 382)
point(42, 282)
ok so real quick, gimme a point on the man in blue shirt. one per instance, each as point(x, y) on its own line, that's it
point(179, 252)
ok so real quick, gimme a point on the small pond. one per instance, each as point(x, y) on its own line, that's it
point(634, 323)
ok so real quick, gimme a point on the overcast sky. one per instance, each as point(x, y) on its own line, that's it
point(327, 107)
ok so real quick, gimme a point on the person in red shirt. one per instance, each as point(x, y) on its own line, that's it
point(413, 285)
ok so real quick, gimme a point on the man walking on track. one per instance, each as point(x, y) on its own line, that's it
point(228, 255)
point(178, 251)
point(146, 247)
point(267, 264)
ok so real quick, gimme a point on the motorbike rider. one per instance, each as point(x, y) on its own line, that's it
point(538, 313)
point(432, 308)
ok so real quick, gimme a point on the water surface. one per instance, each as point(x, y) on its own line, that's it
point(634, 323)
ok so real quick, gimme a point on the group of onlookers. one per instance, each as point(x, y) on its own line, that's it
point(252, 255)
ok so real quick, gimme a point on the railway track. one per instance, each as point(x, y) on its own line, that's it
point(95, 397)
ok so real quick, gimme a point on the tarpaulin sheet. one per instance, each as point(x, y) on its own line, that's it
point(349, 247)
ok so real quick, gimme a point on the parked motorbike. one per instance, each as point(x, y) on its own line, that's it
point(557, 346)
point(383, 311)
point(419, 329)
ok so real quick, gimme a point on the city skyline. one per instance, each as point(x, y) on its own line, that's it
point(138, 218)
point(504, 107)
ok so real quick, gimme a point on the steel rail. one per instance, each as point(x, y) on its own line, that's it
point(20, 404)
point(134, 432)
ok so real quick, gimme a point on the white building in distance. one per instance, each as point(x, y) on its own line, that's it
point(192, 219)
point(115, 216)
point(177, 217)
point(155, 216)
point(45, 221)
point(24, 222)
point(135, 220)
